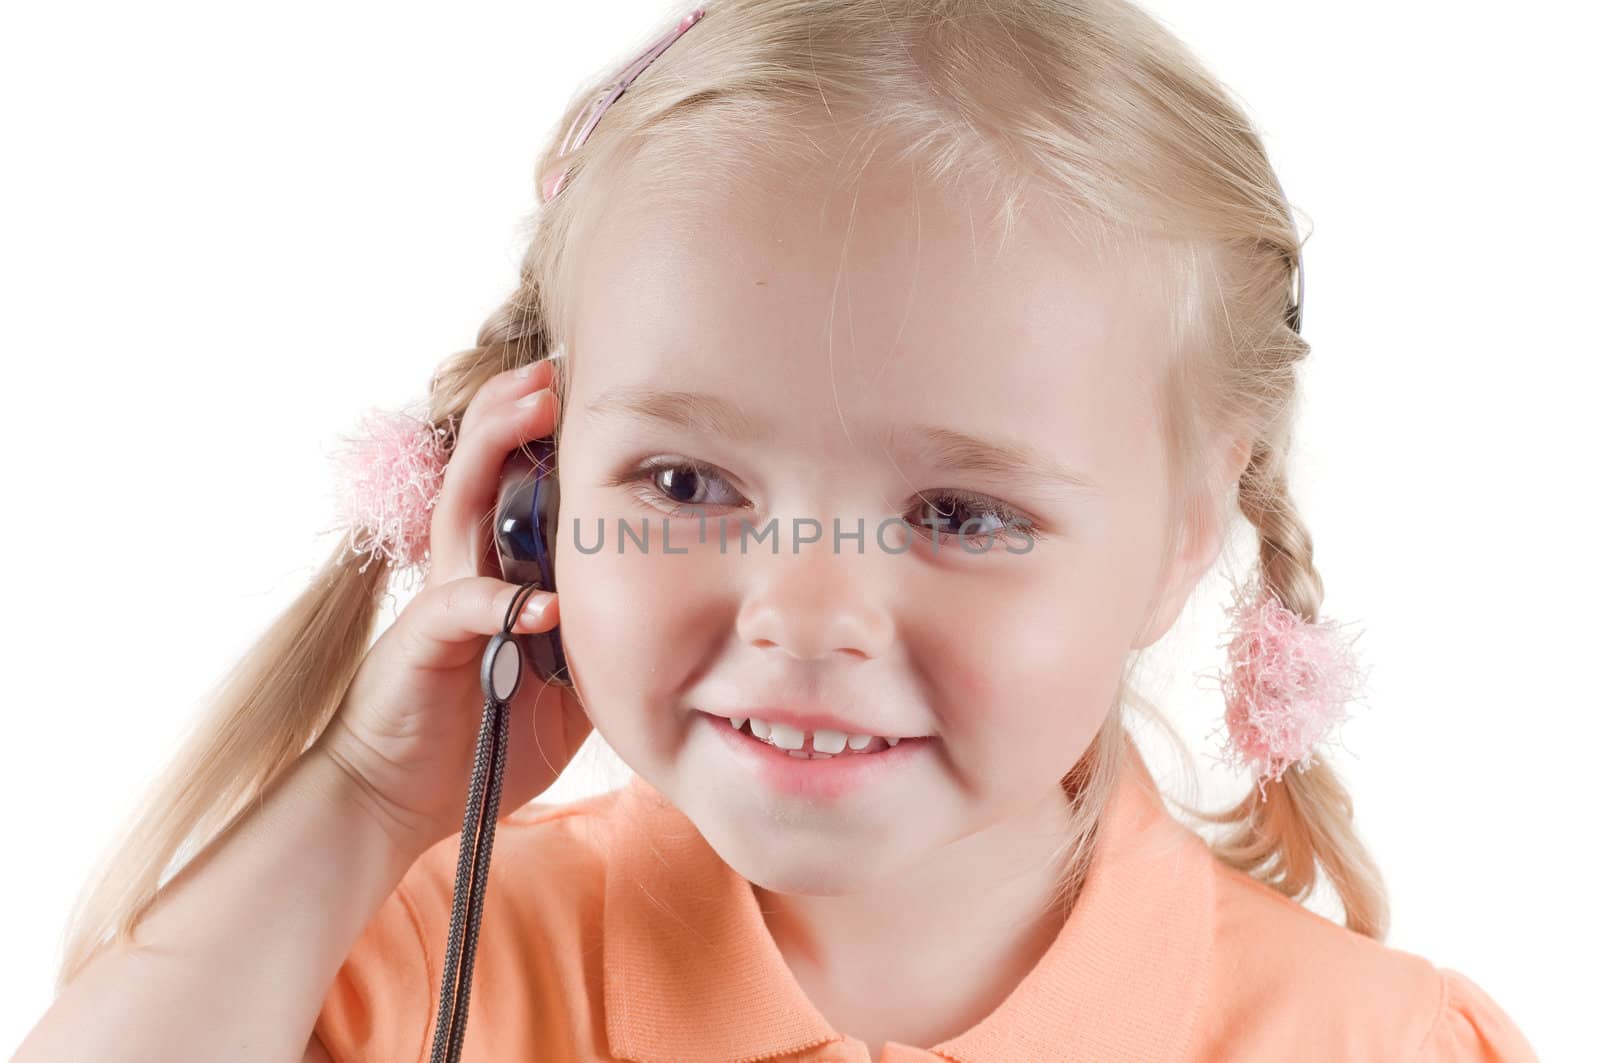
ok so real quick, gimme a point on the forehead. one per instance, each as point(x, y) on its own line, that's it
point(850, 307)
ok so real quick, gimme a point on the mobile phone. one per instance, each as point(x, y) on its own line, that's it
point(525, 516)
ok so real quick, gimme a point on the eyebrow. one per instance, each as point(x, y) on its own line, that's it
point(943, 448)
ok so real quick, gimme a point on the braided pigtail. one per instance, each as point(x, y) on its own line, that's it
point(1286, 826)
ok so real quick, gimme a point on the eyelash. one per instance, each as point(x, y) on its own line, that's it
point(1013, 521)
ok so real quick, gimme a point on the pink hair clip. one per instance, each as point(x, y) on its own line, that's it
point(1287, 683)
point(386, 481)
point(584, 124)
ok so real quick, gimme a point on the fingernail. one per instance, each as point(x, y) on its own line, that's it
point(524, 372)
point(533, 400)
point(535, 604)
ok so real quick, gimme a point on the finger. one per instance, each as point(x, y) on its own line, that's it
point(540, 612)
point(458, 529)
point(447, 623)
point(503, 386)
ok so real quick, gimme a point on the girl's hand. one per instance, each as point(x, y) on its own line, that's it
point(407, 728)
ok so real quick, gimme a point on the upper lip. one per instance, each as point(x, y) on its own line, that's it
point(803, 719)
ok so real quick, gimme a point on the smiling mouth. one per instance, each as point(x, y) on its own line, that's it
point(811, 745)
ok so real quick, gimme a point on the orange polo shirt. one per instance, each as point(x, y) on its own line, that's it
point(660, 955)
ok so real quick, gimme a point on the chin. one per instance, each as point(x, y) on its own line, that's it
point(784, 856)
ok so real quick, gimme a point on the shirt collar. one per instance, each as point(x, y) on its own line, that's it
point(685, 943)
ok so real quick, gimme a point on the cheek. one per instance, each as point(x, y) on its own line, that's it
point(973, 683)
point(1050, 664)
point(1028, 670)
point(626, 618)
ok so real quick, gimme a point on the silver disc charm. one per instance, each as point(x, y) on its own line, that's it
point(502, 667)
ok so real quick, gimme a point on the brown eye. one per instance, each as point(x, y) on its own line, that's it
point(979, 520)
point(680, 484)
point(677, 485)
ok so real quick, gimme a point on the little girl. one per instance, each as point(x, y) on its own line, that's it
point(993, 308)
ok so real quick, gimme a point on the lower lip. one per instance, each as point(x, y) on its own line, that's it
point(826, 777)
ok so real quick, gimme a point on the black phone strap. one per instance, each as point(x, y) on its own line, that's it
point(501, 675)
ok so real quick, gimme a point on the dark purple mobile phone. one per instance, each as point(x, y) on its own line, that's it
point(525, 514)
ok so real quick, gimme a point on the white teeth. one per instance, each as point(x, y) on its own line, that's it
point(786, 737)
point(825, 741)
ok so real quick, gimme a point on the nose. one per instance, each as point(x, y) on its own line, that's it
point(817, 603)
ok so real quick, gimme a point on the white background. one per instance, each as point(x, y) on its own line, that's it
point(230, 229)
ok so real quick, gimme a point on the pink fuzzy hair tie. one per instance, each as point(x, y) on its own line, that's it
point(387, 479)
point(1287, 683)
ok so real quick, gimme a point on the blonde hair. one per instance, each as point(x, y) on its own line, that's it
point(1090, 104)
